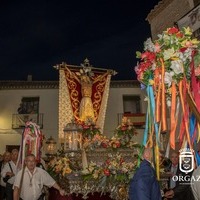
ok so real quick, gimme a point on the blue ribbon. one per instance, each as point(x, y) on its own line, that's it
point(152, 103)
point(147, 122)
point(192, 125)
point(197, 158)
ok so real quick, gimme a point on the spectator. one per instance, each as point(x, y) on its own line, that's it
point(144, 185)
point(29, 181)
point(179, 188)
point(6, 159)
point(9, 171)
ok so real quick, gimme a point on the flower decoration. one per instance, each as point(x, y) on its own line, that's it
point(125, 131)
point(92, 137)
point(168, 60)
point(100, 141)
point(59, 167)
point(90, 129)
point(115, 169)
point(175, 47)
point(97, 141)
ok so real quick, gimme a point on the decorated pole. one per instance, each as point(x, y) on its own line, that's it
point(31, 143)
point(169, 69)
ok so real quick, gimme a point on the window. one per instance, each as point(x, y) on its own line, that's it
point(27, 111)
point(29, 105)
point(131, 104)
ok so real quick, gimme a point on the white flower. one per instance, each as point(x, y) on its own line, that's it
point(148, 45)
point(168, 103)
point(168, 78)
point(177, 66)
point(169, 53)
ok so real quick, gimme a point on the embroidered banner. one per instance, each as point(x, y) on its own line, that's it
point(83, 93)
point(75, 87)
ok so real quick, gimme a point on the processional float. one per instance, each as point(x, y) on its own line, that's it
point(83, 94)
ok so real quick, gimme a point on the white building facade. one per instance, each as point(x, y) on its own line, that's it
point(38, 101)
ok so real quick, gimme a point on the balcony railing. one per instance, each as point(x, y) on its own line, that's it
point(138, 119)
point(19, 120)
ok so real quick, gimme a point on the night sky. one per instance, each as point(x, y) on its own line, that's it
point(36, 35)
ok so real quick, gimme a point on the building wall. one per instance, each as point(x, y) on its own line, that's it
point(48, 105)
point(9, 103)
point(115, 106)
point(166, 13)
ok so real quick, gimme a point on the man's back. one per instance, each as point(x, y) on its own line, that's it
point(144, 185)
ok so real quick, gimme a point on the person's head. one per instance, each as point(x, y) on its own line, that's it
point(147, 154)
point(174, 158)
point(14, 155)
point(30, 162)
point(6, 156)
point(1, 157)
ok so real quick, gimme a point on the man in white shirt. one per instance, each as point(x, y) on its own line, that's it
point(10, 171)
point(30, 181)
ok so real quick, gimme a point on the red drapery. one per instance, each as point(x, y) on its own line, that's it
point(74, 87)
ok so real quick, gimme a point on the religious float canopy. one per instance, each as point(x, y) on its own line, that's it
point(169, 69)
point(83, 94)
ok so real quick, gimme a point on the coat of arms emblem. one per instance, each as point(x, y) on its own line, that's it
point(186, 160)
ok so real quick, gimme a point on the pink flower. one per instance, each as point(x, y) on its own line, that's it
point(157, 47)
point(123, 128)
point(188, 44)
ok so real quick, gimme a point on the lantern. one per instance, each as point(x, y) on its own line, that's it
point(73, 136)
point(51, 147)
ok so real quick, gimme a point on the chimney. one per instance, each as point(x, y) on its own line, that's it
point(29, 78)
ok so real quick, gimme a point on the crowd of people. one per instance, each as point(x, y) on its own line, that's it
point(26, 183)
point(180, 185)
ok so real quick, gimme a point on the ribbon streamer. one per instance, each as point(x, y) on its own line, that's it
point(163, 116)
point(173, 118)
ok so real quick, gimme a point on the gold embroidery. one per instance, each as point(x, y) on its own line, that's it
point(72, 85)
point(99, 93)
point(85, 108)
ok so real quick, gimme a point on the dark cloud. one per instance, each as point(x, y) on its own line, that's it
point(35, 35)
